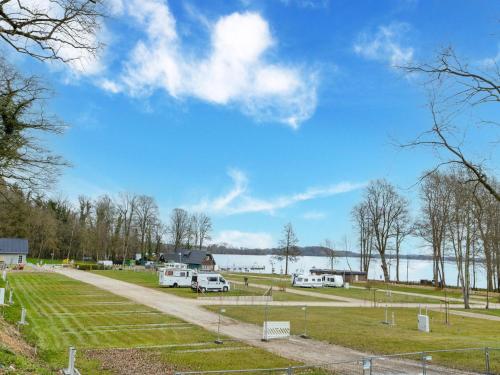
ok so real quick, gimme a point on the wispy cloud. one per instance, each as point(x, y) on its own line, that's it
point(386, 44)
point(239, 239)
point(235, 70)
point(490, 62)
point(314, 215)
point(238, 199)
point(310, 4)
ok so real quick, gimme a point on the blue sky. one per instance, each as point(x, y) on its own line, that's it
point(257, 112)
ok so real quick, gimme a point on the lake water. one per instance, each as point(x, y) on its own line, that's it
point(413, 270)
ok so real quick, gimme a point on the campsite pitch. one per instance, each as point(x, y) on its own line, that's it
point(106, 328)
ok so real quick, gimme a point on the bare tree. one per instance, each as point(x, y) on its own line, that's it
point(462, 229)
point(126, 206)
point(361, 218)
point(436, 199)
point(146, 217)
point(487, 213)
point(178, 228)
point(104, 218)
point(23, 158)
point(402, 229)
point(331, 253)
point(288, 246)
point(57, 29)
point(384, 206)
point(204, 227)
point(462, 86)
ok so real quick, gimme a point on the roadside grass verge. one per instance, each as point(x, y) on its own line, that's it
point(364, 294)
point(150, 280)
point(21, 364)
point(44, 261)
point(494, 312)
point(427, 290)
point(63, 312)
point(362, 329)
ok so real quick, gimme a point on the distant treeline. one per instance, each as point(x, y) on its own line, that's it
point(314, 251)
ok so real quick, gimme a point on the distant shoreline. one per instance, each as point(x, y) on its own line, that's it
point(323, 252)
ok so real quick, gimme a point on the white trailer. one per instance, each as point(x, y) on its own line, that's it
point(307, 281)
point(333, 281)
point(209, 282)
point(175, 275)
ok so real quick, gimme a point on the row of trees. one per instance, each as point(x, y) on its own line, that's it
point(102, 228)
point(459, 219)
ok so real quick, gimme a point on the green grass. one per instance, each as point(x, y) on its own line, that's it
point(150, 280)
point(426, 290)
point(364, 294)
point(22, 364)
point(362, 329)
point(63, 312)
point(44, 261)
point(494, 312)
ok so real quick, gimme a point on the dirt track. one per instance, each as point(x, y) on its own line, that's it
point(307, 351)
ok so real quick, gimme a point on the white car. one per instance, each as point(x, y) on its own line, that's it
point(335, 281)
point(209, 282)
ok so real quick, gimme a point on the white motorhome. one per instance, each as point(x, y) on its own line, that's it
point(307, 281)
point(175, 275)
point(209, 282)
point(334, 281)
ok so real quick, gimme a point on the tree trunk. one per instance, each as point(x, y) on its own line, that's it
point(384, 267)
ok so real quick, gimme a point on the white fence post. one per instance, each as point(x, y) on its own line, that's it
point(2, 296)
point(4, 275)
point(71, 370)
point(11, 297)
point(23, 317)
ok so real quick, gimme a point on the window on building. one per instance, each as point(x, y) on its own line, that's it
point(20, 259)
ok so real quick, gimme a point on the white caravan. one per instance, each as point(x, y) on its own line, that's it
point(307, 281)
point(175, 275)
point(209, 282)
point(335, 281)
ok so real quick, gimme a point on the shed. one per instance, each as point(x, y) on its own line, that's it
point(348, 275)
point(13, 250)
point(195, 259)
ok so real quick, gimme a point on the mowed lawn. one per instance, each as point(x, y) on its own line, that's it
point(149, 279)
point(63, 312)
point(381, 295)
point(362, 329)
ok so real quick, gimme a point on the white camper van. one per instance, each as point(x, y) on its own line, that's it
point(307, 281)
point(209, 282)
point(335, 281)
point(175, 275)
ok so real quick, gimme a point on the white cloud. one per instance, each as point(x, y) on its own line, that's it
point(233, 71)
point(314, 215)
point(238, 200)
point(490, 62)
point(386, 45)
point(236, 238)
point(311, 4)
point(110, 86)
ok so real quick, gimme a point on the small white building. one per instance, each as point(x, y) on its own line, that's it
point(13, 251)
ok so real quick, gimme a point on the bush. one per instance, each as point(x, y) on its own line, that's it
point(89, 266)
